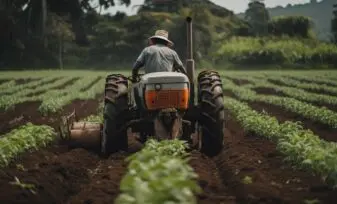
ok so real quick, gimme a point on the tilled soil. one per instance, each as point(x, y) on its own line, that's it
point(63, 175)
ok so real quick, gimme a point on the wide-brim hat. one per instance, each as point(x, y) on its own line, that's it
point(162, 34)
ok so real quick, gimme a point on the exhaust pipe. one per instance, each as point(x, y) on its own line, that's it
point(190, 66)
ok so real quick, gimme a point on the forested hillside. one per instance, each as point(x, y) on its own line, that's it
point(320, 12)
point(54, 33)
point(65, 34)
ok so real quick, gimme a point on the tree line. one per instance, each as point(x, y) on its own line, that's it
point(73, 34)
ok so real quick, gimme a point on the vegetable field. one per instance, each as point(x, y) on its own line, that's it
point(280, 137)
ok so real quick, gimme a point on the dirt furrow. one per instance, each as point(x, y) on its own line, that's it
point(209, 180)
point(56, 175)
point(255, 172)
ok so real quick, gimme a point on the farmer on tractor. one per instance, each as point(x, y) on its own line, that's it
point(158, 57)
point(165, 108)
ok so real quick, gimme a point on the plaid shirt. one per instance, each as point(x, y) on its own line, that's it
point(159, 58)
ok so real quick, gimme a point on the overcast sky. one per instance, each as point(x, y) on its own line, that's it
point(235, 5)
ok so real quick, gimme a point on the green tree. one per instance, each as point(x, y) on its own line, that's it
point(171, 6)
point(334, 24)
point(258, 17)
point(59, 32)
point(24, 28)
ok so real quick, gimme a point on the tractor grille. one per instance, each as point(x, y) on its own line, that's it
point(167, 99)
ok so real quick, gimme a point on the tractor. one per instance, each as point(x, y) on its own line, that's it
point(160, 105)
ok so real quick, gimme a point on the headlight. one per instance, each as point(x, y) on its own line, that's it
point(157, 87)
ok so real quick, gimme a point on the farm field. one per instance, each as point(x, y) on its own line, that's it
point(280, 136)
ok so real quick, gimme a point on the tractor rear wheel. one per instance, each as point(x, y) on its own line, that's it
point(115, 104)
point(212, 117)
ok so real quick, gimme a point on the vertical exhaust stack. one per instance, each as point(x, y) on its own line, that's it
point(190, 61)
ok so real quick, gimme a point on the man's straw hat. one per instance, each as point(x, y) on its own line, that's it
point(162, 34)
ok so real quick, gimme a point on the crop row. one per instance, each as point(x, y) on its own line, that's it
point(22, 139)
point(322, 115)
point(298, 93)
point(19, 89)
point(23, 95)
point(293, 92)
point(306, 86)
point(301, 147)
point(315, 79)
point(54, 100)
point(159, 173)
point(6, 85)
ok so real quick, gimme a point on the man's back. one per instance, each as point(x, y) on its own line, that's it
point(160, 58)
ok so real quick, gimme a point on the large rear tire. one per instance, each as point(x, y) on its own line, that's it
point(115, 104)
point(212, 117)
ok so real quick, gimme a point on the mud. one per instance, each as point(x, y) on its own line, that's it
point(64, 175)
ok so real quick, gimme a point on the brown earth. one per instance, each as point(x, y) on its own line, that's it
point(64, 175)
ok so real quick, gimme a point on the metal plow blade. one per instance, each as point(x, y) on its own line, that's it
point(66, 124)
point(80, 134)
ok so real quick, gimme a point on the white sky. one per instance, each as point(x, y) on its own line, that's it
point(237, 6)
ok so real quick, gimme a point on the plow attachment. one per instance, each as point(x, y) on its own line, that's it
point(80, 134)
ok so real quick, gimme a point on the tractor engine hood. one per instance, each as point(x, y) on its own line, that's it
point(164, 77)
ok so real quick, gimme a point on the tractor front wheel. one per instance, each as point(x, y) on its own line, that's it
point(115, 104)
point(212, 117)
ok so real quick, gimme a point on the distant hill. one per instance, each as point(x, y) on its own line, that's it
point(320, 12)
